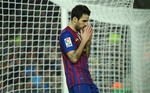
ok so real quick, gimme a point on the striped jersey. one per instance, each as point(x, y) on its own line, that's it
point(76, 73)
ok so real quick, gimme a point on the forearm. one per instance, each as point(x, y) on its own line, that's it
point(75, 55)
point(88, 49)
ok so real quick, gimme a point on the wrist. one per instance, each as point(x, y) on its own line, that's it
point(89, 43)
point(83, 42)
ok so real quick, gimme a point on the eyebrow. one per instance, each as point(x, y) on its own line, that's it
point(84, 20)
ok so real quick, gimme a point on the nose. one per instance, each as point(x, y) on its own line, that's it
point(86, 23)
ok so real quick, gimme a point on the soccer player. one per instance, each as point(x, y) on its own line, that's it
point(75, 43)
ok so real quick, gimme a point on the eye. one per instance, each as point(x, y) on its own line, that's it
point(85, 20)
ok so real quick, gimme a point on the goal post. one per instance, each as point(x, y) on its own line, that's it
point(140, 37)
point(115, 12)
point(64, 23)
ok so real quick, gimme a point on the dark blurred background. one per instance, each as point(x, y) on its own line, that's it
point(142, 4)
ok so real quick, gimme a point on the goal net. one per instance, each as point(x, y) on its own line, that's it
point(30, 57)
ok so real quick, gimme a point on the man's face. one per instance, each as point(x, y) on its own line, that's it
point(82, 22)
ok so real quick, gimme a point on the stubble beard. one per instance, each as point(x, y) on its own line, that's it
point(77, 28)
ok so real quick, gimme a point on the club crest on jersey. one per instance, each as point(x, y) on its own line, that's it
point(68, 42)
point(76, 39)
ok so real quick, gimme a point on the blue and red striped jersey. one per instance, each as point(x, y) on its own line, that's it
point(76, 73)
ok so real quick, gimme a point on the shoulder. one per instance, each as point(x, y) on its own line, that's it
point(65, 33)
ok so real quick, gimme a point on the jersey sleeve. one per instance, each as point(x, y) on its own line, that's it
point(67, 42)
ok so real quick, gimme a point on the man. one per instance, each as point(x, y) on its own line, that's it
point(75, 42)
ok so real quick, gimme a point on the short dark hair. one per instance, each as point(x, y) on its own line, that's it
point(79, 10)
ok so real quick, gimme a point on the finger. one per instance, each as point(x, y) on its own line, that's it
point(89, 28)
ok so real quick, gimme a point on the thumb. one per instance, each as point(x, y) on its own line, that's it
point(81, 31)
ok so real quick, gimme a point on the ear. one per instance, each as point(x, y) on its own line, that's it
point(75, 19)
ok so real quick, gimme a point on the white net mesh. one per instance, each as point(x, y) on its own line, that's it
point(110, 59)
point(30, 59)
